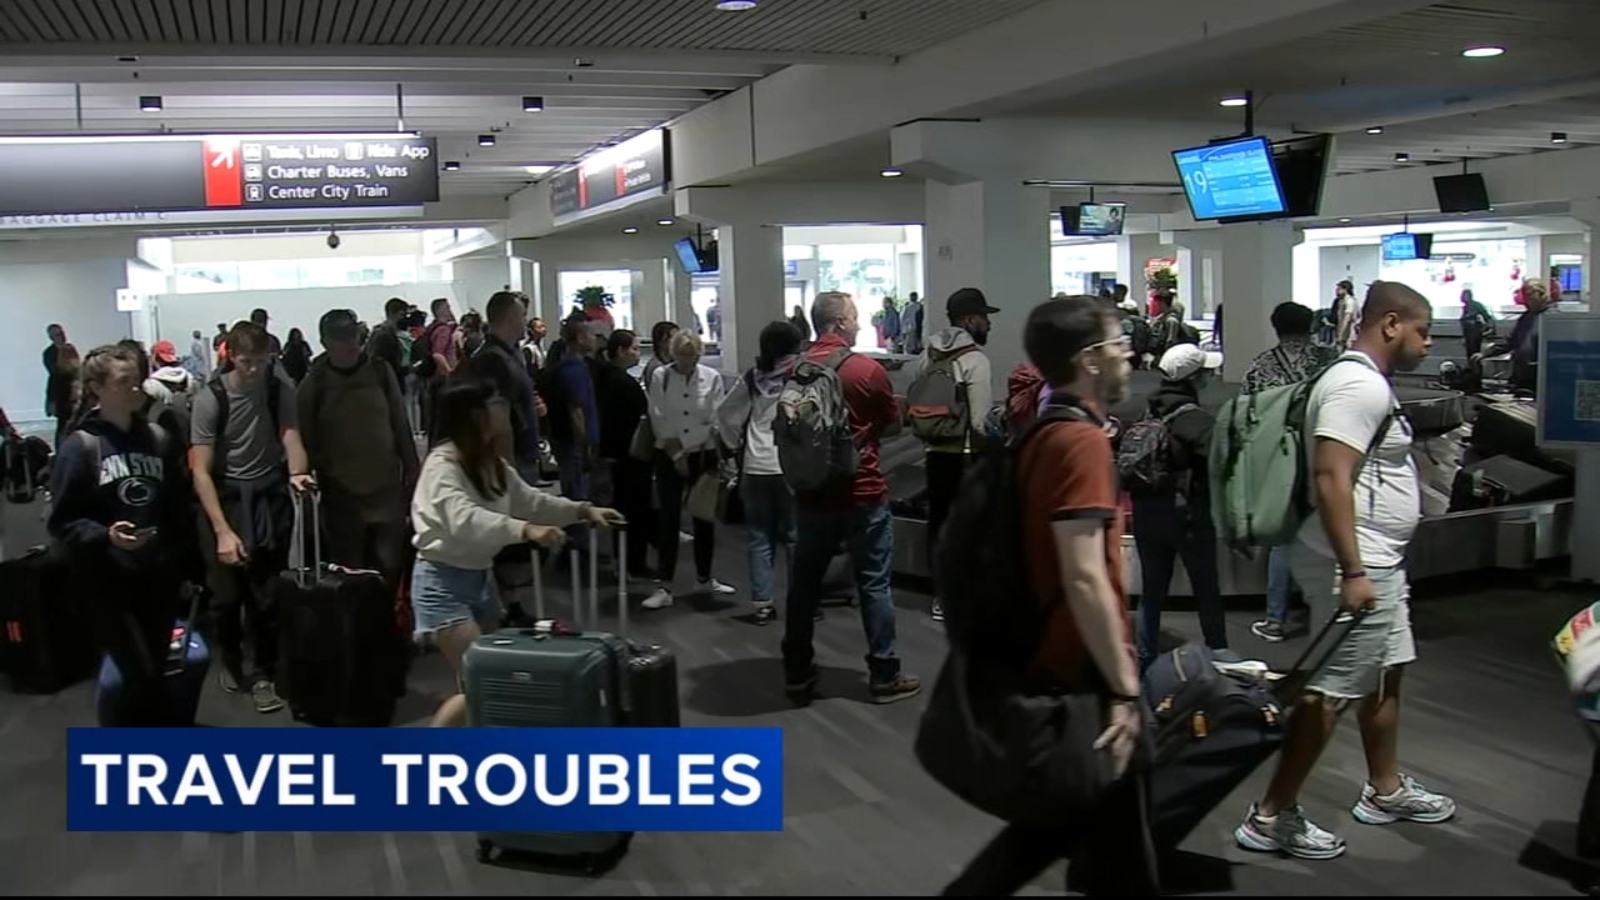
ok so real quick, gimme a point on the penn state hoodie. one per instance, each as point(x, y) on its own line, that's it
point(103, 475)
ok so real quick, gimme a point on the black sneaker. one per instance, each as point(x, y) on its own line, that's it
point(229, 683)
point(265, 697)
point(802, 689)
point(1268, 630)
point(903, 687)
point(766, 613)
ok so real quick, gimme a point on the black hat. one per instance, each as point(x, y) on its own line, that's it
point(968, 302)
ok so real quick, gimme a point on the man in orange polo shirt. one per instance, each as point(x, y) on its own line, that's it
point(1071, 531)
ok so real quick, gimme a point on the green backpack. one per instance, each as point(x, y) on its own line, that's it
point(1261, 485)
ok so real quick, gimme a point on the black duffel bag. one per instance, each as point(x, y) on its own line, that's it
point(1022, 755)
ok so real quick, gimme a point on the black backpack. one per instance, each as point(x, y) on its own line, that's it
point(1148, 461)
point(990, 608)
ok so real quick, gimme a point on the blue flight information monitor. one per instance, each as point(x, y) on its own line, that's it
point(1235, 179)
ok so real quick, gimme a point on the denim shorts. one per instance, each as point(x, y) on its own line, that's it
point(442, 596)
point(1382, 641)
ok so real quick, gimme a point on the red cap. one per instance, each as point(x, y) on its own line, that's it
point(164, 353)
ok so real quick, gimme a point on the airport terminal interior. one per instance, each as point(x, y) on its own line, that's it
point(169, 168)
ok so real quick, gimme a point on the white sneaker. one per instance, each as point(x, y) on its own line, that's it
point(712, 586)
point(1289, 833)
point(660, 599)
point(1411, 803)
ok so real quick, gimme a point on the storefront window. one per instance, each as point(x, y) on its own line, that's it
point(616, 282)
point(1077, 267)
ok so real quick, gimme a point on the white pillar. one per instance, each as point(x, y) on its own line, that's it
point(991, 235)
point(1132, 252)
point(476, 279)
point(650, 295)
point(552, 307)
point(751, 294)
point(1586, 480)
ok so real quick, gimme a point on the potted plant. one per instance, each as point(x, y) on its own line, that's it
point(1162, 279)
point(594, 296)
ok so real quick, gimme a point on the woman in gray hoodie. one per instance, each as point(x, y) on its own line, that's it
point(744, 428)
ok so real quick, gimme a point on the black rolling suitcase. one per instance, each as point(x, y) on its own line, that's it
point(553, 675)
point(46, 646)
point(1214, 728)
point(340, 653)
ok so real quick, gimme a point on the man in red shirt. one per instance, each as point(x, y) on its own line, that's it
point(855, 514)
point(1072, 548)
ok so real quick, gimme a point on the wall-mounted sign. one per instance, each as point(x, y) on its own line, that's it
point(123, 177)
point(636, 167)
point(1569, 381)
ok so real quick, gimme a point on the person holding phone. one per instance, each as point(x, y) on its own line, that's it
point(121, 515)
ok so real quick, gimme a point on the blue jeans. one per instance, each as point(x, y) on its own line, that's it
point(769, 520)
point(1280, 584)
point(867, 533)
point(574, 486)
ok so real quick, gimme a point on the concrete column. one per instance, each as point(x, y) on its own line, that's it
point(751, 293)
point(649, 295)
point(680, 289)
point(551, 306)
point(994, 236)
point(1250, 268)
point(476, 279)
point(1132, 251)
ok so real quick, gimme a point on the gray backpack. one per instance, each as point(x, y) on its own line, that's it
point(936, 402)
point(811, 427)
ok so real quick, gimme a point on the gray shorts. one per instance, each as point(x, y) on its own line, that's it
point(1382, 640)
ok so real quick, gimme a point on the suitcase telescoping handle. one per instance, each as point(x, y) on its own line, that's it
point(1344, 622)
point(297, 543)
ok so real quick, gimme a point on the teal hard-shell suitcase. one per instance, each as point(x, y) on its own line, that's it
point(551, 676)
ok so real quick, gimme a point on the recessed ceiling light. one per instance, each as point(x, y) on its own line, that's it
point(630, 230)
point(1376, 129)
point(663, 222)
point(485, 140)
point(582, 63)
point(451, 165)
point(533, 104)
point(150, 104)
point(1402, 157)
point(735, 5)
point(1482, 52)
point(891, 173)
point(538, 170)
point(1343, 221)
point(1233, 101)
point(1558, 137)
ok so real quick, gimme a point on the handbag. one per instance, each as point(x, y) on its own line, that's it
point(1022, 755)
point(643, 446)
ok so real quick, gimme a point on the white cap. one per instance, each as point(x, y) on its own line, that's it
point(1184, 361)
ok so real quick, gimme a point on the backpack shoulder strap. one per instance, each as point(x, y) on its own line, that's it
point(1052, 414)
point(836, 358)
point(219, 430)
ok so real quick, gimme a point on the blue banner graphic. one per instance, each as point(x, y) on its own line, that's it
point(425, 779)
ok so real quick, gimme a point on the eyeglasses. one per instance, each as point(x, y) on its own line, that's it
point(1125, 342)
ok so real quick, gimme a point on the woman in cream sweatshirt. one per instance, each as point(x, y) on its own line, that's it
point(469, 505)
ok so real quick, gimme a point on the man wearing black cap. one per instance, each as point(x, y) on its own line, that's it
point(353, 424)
point(274, 346)
point(948, 403)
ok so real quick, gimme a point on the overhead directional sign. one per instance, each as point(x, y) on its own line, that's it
point(634, 168)
point(67, 176)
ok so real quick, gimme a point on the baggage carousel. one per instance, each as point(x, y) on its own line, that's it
point(1491, 497)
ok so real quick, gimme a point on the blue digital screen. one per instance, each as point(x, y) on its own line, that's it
point(688, 255)
point(1399, 247)
point(1235, 179)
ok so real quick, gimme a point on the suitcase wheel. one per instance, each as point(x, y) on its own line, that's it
point(485, 851)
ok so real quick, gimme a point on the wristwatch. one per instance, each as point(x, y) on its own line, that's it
point(1352, 576)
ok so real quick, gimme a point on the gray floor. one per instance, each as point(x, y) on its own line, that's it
point(1484, 720)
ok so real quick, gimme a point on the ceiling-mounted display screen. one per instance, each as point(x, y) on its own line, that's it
point(1230, 179)
point(76, 176)
point(1093, 219)
point(634, 168)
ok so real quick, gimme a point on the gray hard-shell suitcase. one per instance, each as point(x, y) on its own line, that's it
point(550, 676)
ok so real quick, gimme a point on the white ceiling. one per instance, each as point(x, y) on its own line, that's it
point(1404, 72)
point(606, 69)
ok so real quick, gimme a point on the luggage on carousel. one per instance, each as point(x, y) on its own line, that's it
point(558, 675)
point(340, 646)
point(1214, 726)
point(1431, 411)
point(1504, 481)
